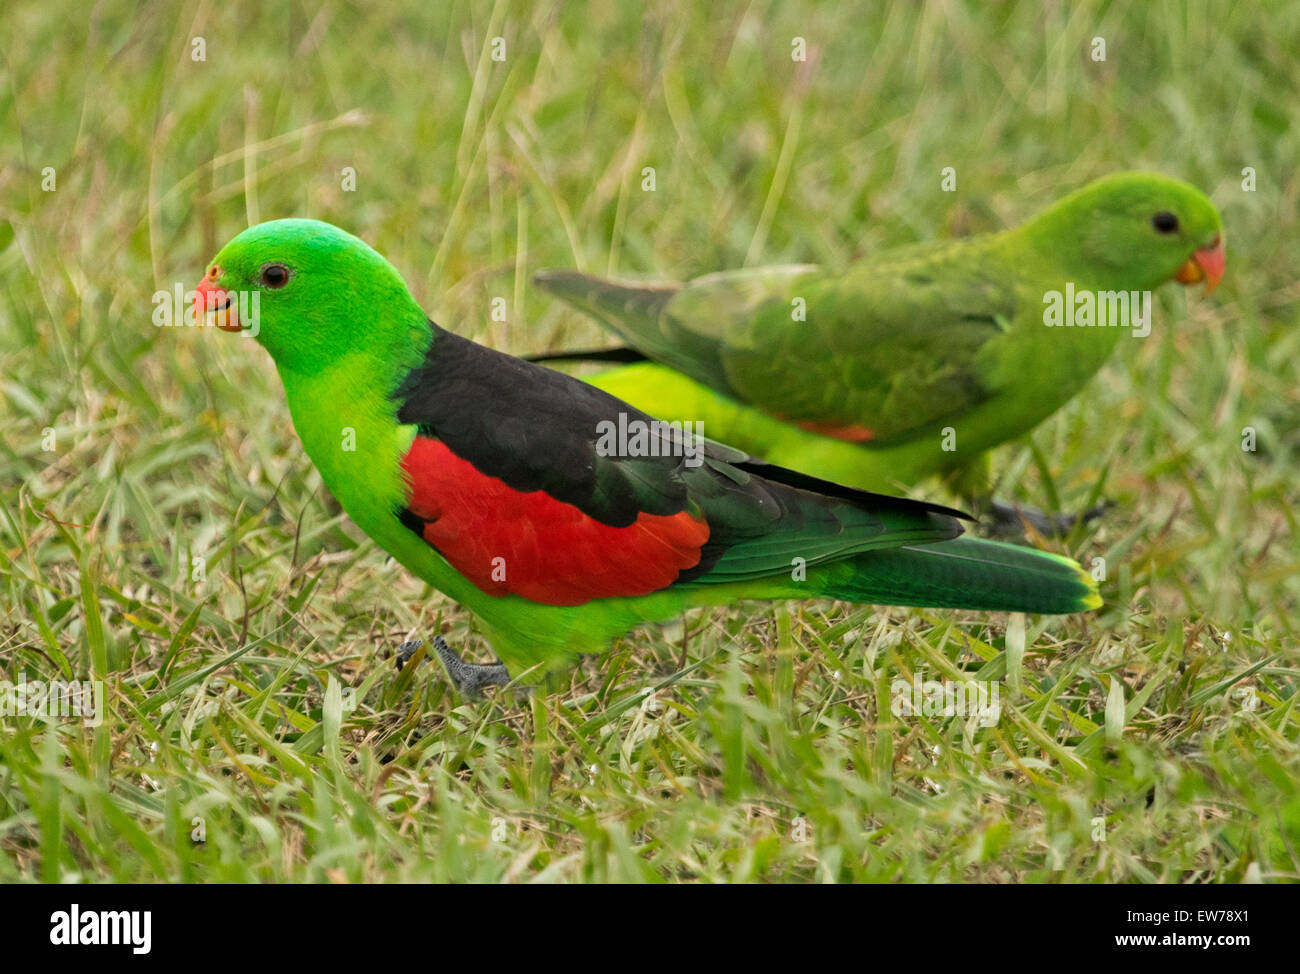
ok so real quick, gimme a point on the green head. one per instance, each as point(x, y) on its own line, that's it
point(1133, 231)
point(312, 295)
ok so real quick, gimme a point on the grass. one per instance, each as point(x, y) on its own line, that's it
point(251, 700)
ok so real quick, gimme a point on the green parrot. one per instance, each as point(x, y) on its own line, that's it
point(558, 515)
point(913, 362)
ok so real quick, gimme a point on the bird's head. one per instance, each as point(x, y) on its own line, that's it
point(1135, 231)
point(310, 293)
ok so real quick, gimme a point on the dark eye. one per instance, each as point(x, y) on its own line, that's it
point(275, 276)
point(1165, 222)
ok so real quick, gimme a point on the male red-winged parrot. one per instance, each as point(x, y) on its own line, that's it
point(908, 363)
point(486, 477)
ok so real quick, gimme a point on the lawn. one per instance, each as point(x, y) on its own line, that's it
point(162, 532)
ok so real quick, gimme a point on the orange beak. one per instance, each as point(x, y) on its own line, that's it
point(1205, 264)
point(208, 296)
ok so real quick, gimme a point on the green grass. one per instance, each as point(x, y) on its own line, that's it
point(260, 702)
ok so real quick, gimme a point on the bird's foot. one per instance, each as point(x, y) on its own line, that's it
point(469, 678)
point(1012, 520)
point(406, 651)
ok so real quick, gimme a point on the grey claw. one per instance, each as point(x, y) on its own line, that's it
point(406, 651)
point(469, 678)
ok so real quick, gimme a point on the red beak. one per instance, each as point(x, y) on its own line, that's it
point(209, 297)
point(1205, 264)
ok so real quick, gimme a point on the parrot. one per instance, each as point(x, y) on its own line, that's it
point(909, 363)
point(558, 515)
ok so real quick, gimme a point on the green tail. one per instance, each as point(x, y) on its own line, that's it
point(635, 313)
point(609, 301)
point(965, 573)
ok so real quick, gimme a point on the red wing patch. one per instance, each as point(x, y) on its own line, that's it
point(535, 546)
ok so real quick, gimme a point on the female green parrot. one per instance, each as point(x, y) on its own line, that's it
point(499, 482)
point(913, 362)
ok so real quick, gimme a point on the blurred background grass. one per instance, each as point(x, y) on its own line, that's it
point(258, 703)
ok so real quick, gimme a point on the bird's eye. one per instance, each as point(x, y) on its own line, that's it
point(275, 276)
point(1165, 222)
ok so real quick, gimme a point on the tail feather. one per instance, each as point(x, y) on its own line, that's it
point(626, 308)
point(965, 573)
point(639, 315)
